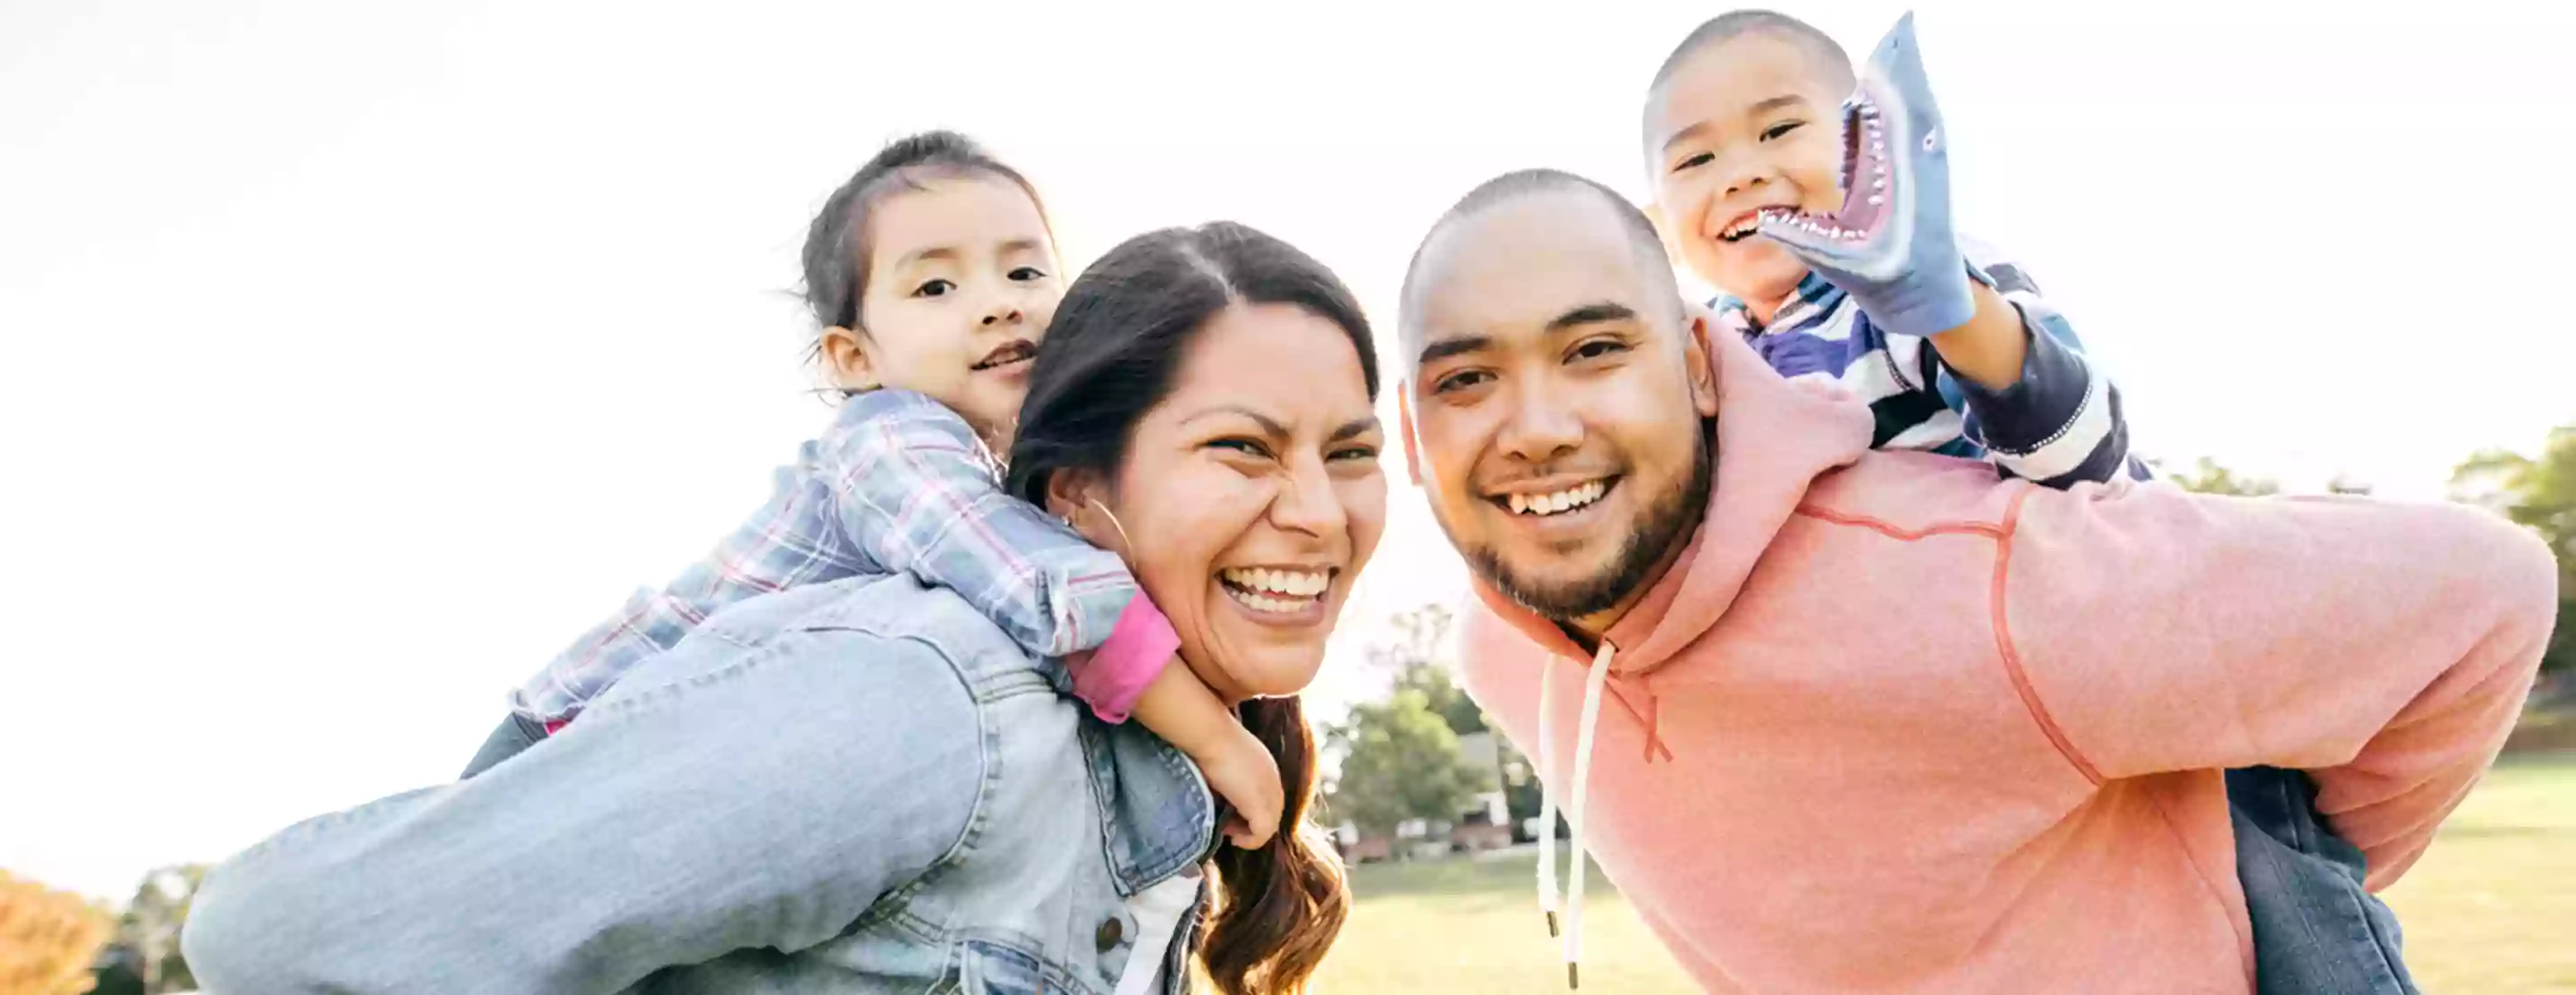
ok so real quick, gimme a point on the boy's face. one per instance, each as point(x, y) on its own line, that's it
point(1748, 123)
point(961, 283)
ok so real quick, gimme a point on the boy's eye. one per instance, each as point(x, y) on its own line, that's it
point(1696, 159)
point(1025, 274)
point(1782, 128)
point(1460, 380)
point(933, 288)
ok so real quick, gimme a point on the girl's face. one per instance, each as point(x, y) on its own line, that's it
point(1251, 497)
point(961, 281)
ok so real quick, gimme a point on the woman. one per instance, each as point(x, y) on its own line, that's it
point(861, 786)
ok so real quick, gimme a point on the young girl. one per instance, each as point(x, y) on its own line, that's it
point(932, 273)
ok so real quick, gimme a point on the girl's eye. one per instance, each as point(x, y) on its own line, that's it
point(1460, 381)
point(1696, 159)
point(1025, 274)
point(934, 288)
point(1781, 129)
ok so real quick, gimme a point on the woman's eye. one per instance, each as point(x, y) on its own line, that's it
point(1247, 447)
point(934, 288)
point(1782, 128)
point(1695, 160)
point(1025, 274)
point(1460, 381)
point(1355, 453)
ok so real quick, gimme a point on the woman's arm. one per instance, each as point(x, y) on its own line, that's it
point(766, 802)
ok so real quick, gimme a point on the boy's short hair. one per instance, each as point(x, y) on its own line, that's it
point(1737, 23)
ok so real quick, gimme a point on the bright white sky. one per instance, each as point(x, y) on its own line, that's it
point(359, 356)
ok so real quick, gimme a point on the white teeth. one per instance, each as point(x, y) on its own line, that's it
point(1300, 585)
point(1558, 502)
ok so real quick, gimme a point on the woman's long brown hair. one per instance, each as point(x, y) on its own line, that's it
point(1278, 908)
point(1109, 356)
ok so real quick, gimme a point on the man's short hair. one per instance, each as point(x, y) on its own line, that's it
point(1510, 188)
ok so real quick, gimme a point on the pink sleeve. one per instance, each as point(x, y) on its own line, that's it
point(2384, 647)
point(1135, 653)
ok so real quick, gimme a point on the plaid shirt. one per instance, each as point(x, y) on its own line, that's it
point(2060, 425)
point(899, 483)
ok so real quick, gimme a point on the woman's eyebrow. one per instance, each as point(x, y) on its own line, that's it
point(1354, 428)
point(1268, 424)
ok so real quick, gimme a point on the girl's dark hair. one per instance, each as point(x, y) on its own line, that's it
point(836, 244)
point(1117, 340)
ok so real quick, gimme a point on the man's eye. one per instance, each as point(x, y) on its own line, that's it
point(1781, 129)
point(934, 288)
point(1696, 159)
point(1598, 348)
point(1025, 274)
point(1460, 381)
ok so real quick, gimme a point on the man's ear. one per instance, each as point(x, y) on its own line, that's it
point(1078, 497)
point(844, 352)
point(1699, 359)
point(1404, 424)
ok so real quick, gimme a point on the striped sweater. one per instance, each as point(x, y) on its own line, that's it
point(2059, 425)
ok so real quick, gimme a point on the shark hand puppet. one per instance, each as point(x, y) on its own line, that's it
point(1890, 246)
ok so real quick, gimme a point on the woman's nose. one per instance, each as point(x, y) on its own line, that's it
point(1307, 502)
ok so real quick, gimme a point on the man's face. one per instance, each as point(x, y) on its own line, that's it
point(1557, 403)
point(1748, 123)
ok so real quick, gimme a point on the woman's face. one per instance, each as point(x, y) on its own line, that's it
point(1251, 496)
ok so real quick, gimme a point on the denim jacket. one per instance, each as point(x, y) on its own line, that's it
point(853, 787)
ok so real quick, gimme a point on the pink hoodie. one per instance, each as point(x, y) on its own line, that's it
point(1893, 725)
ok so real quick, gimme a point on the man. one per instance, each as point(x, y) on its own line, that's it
point(1884, 722)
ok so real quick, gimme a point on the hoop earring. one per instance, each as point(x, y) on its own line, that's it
point(1113, 523)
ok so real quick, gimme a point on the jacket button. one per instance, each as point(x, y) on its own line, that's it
point(1110, 932)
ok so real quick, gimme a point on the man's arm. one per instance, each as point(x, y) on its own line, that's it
point(2386, 648)
point(915, 492)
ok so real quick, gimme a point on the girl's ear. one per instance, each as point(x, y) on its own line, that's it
point(846, 364)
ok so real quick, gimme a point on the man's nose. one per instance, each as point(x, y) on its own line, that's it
point(1542, 425)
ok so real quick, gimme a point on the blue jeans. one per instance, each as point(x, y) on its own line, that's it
point(2316, 931)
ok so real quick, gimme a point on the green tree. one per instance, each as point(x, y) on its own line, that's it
point(2540, 494)
point(2207, 477)
point(151, 924)
point(1400, 761)
point(1416, 660)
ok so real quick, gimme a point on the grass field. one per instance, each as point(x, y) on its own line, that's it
point(2490, 910)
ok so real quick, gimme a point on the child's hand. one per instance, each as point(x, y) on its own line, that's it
point(1245, 774)
point(1891, 246)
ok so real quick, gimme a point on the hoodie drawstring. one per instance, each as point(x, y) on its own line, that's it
point(1593, 682)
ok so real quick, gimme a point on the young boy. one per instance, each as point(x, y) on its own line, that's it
point(1817, 202)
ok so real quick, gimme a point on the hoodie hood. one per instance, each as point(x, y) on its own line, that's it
point(1774, 438)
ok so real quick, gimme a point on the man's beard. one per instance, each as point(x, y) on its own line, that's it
point(1668, 519)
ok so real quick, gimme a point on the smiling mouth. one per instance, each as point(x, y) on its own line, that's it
point(1558, 502)
point(1277, 590)
point(1014, 351)
point(1745, 225)
point(1867, 174)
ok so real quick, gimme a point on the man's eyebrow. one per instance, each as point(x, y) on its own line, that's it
point(1592, 314)
point(1454, 346)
